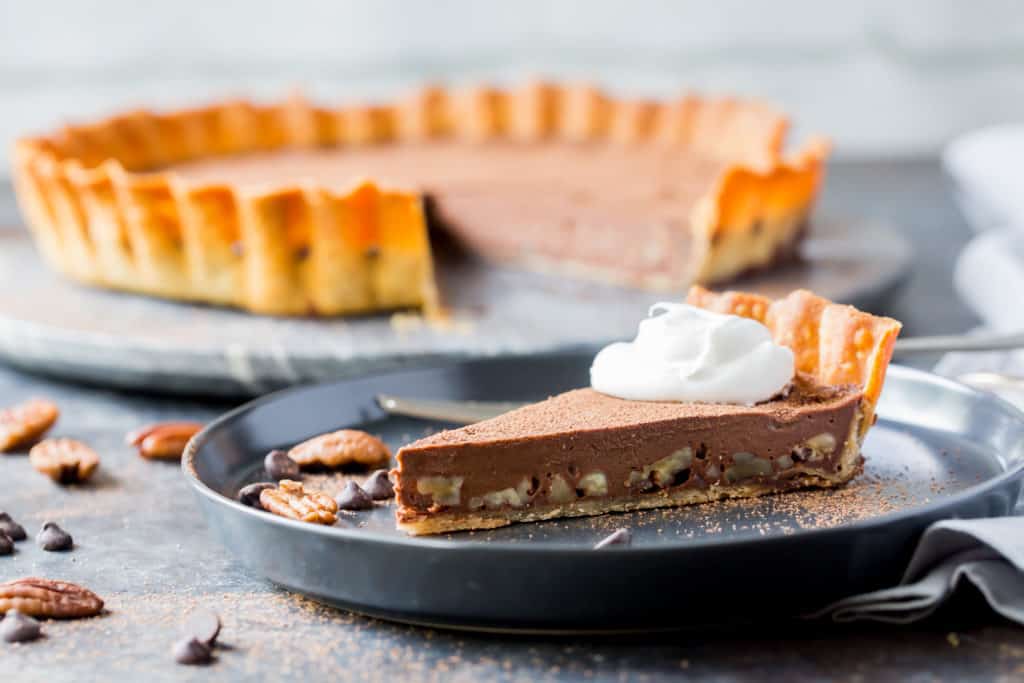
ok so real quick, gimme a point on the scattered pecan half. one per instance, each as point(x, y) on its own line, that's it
point(49, 599)
point(163, 441)
point(344, 447)
point(66, 461)
point(290, 500)
point(22, 424)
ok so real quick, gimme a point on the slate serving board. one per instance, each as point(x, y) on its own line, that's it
point(49, 324)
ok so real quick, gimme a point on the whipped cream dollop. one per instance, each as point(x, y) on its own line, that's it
point(685, 353)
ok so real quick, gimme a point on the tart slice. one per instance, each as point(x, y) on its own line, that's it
point(588, 453)
point(296, 209)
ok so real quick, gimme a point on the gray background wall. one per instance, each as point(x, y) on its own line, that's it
point(893, 78)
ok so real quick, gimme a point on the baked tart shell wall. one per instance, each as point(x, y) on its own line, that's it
point(103, 212)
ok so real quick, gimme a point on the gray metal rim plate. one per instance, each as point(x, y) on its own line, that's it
point(49, 324)
point(939, 450)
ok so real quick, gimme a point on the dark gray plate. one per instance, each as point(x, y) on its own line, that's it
point(49, 324)
point(939, 450)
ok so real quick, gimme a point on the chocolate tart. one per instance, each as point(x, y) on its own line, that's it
point(296, 209)
point(585, 453)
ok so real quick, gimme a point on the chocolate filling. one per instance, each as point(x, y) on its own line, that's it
point(583, 444)
point(512, 201)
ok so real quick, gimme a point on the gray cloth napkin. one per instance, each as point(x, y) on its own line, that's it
point(989, 553)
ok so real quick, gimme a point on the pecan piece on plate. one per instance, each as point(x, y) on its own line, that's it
point(291, 500)
point(164, 440)
point(341, 448)
point(22, 424)
point(66, 461)
point(49, 599)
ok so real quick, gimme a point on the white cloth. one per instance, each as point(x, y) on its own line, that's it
point(989, 275)
point(989, 278)
point(986, 167)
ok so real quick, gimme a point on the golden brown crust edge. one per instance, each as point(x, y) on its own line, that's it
point(835, 344)
point(753, 215)
point(98, 216)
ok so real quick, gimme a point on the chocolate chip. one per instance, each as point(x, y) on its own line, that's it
point(353, 497)
point(379, 486)
point(620, 537)
point(191, 652)
point(53, 538)
point(250, 495)
point(204, 626)
point(19, 628)
point(279, 466)
point(12, 528)
point(6, 544)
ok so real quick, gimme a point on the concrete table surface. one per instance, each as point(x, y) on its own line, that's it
point(142, 545)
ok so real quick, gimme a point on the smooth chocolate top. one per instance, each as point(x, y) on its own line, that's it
point(661, 175)
point(619, 208)
point(586, 410)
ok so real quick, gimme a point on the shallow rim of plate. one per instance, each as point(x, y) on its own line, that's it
point(454, 543)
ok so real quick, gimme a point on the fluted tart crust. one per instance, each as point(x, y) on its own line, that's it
point(652, 194)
